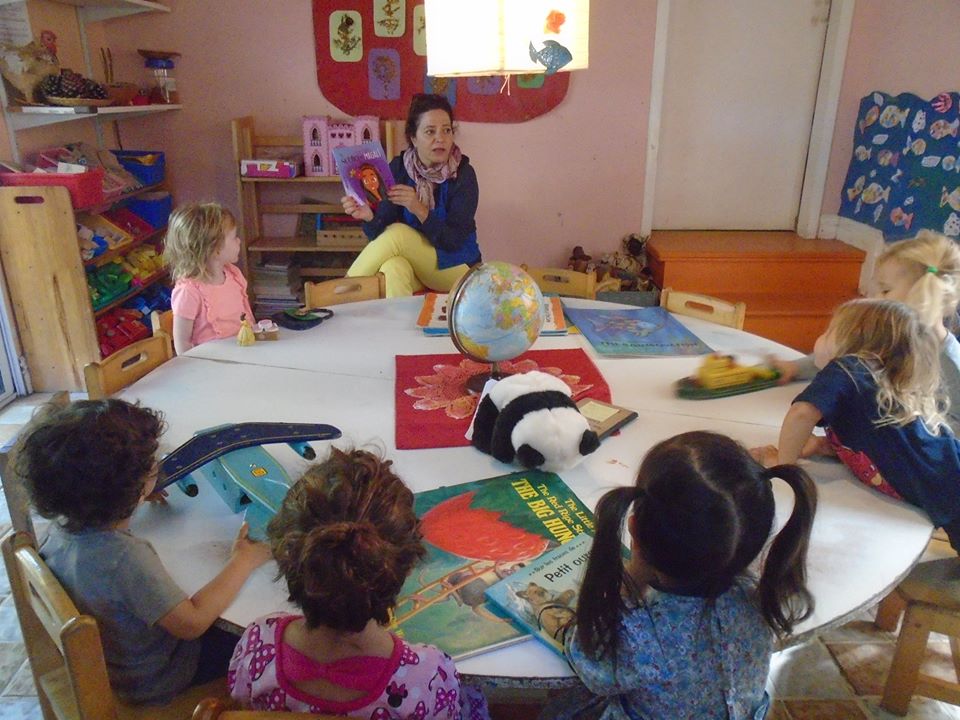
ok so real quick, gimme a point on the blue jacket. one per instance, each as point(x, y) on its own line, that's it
point(450, 227)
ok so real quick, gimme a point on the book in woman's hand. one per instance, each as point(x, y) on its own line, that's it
point(364, 172)
point(542, 597)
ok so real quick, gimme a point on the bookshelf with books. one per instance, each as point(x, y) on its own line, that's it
point(277, 217)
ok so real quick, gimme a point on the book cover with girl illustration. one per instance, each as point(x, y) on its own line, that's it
point(365, 172)
point(542, 597)
point(476, 534)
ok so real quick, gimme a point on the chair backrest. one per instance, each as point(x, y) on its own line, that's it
point(63, 646)
point(162, 321)
point(217, 709)
point(126, 365)
point(344, 290)
point(704, 307)
point(562, 281)
point(65, 652)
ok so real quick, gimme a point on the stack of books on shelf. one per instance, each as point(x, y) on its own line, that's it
point(275, 285)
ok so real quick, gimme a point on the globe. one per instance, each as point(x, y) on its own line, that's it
point(495, 313)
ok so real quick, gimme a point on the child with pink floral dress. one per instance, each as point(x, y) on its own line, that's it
point(345, 539)
point(210, 293)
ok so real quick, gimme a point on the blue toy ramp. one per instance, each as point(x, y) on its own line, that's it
point(211, 444)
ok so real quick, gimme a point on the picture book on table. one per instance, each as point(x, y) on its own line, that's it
point(365, 172)
point(433, 316)
point(476, 534)
point(542, 597)
point(635, 332)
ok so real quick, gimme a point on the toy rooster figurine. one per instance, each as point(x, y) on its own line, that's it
point(245, 336)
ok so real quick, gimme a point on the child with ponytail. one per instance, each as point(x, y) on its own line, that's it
point(680, 630)
point(924, 273)
point(345, 539)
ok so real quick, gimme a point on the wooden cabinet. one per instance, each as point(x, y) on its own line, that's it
point(789, 284)
point(260, 198)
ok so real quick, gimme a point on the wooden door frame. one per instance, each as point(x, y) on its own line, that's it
point(821, 131)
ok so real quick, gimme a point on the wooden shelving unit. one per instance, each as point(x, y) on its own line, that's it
point(254, 205)
point(46, 277)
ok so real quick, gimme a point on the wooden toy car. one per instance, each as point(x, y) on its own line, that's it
point(245, 475)
point(720, 375)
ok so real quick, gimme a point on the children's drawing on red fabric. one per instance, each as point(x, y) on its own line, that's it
point(371, 57)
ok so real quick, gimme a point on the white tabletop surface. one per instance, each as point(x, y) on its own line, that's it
point(342, 373)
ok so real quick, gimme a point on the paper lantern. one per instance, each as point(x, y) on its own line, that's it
point(506, 37)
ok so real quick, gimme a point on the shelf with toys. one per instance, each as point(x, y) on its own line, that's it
point(283, 242)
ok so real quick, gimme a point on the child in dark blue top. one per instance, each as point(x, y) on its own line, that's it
point(879, 396)
point(424, 233)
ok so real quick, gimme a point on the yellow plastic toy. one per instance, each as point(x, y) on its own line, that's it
point(245, 336)
point(720, 375)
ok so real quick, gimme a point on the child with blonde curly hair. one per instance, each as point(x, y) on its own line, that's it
point(924, 273)
point(210, 293)
point(345, 539)
point(880, 397)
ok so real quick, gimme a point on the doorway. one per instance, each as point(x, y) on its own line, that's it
point(740, 82)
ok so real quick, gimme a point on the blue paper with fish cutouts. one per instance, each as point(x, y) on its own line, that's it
point(905, 172)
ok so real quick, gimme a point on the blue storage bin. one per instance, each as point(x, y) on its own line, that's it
point(147, 174)
point(154, 207)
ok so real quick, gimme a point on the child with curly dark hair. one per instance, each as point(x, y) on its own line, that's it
point(88, 465)
point(345, 539)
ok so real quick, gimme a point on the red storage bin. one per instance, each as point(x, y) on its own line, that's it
point(86, 189)
point(129, 222)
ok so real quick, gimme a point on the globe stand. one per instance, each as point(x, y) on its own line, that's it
point(475, 383)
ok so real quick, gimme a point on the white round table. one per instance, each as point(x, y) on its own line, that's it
point(342, 373)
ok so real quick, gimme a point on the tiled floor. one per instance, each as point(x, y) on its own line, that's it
point(836, 677)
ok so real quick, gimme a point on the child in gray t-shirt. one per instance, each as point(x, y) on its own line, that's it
point(89, 465)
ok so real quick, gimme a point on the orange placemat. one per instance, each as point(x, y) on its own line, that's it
point(433, 409)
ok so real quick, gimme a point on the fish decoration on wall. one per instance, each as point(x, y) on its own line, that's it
point(904, 174)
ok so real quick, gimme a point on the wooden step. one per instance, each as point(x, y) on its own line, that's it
point(714, 262)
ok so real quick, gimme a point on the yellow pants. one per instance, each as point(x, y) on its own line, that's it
point(407, 260)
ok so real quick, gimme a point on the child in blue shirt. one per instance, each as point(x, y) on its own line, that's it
point(880, 397)
point(89, 465)
point(924, 273)
point(679, 631)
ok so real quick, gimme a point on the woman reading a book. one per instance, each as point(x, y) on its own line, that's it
point(423, 235)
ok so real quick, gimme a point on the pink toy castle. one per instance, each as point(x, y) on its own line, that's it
point(322, 134)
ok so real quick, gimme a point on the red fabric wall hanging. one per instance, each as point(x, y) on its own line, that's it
point(371, 60)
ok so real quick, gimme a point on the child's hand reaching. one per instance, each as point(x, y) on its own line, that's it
point(251, 554)
point(767, 455)
point(787, 369)
point(356, 210)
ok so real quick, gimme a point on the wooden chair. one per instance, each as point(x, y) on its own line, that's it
point(162, 321)
point(344, 290)
point(704, 307)
point(931, 594)
point(571, 283)
point(226, 709)
point(126, 365)
point(64, 648)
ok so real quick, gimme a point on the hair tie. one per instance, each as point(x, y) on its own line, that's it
point(932, 269)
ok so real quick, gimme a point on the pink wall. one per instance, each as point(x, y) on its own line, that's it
point(895, 47)
point(573, 176)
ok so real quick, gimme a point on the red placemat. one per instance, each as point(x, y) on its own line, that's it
point(433, 408)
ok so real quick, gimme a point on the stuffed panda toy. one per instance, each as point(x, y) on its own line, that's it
point(532, 417)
